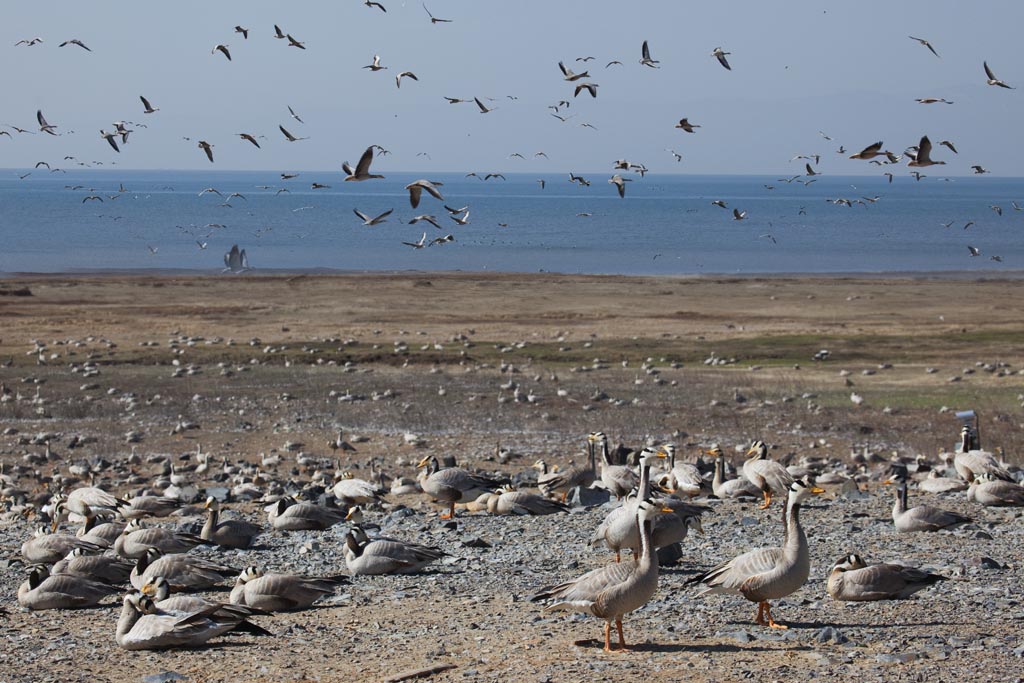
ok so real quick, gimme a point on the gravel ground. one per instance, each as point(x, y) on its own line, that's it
point(464, 400)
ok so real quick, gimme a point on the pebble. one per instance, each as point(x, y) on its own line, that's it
point(164, 677)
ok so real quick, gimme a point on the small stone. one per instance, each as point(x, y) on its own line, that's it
point(475, 542)
point(831, 634)
point(588, 497)
point(164, 677)
point(984, 562)
point(740, 636)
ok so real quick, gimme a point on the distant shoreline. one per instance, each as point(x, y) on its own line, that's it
point(132, 273)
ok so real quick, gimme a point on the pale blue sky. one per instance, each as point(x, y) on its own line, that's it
point(846, 68)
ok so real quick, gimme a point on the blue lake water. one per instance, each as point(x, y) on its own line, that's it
point(665, 225)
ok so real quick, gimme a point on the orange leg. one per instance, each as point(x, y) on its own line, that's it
point(767, 498)
point(565, 496)
point(618, 556)
point(450, 513)
point(771, 622)
point(607, 636)
point(622, 638)
point(760, 614)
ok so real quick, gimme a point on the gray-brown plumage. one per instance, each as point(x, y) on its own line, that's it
point(48, 548)
point(507, 501)
point(552, 481)
point(289, 514)
point(993, 492)
point(160, 591)
point(365, 556)
point(768, 573)
point(970, 463)
point(452, 485)
point(767, 475)
point(416, 190)
point(142, 626)
point(136, 539)
point(617, 479)
point(149, 506)
point(362, 169)
point(62, 591)
point(613, 591)
point(729, 488)
point(228, 533)
point(181, 570)
point(281, 592)
point(921, 517)
point(102, 568)
point(851, 579)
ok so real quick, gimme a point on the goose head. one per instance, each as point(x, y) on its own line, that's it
point(157, 588)
point(799, 491)
point(758, 449)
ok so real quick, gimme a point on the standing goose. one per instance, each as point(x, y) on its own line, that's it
point(142, 626)
point(365, 556)
point(452, 485)
point(921, 517)
point(181, 570)
point(619, 529)
point(281, 592)
point(988, 490)
point(230, 533)
point(617, 479)
point(767, 475)
point(615, 590)
point(853, 580)
point(768, 573)
point(729, 488)
point(973, 462)
point(61, 591)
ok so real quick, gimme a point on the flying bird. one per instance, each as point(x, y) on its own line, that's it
point(461, 221)
point(250, 138)
point(398, 78)
point(947, 143)
point(370, 3)
point(685, 125)
point(979, 170)
point(926, 44)
point(244, 31)
point(362, 169)
point(294, 43)
point(590, 87)
point(288, 136)
point(720, 55)
point(376, 64)
point(43, 125)
point(738, 215)
point(483, 109)
point(719, 203)
point(208, 148)
point(620, 183)
point(992, 80)
point(645, 57)
point(149, 109)
point(417, 245)
point(924, 151)
point(933, 100)
point(441, 240)
point(75, 41)
point(973, 250)
point(416, 190)
point(376, 220)
point(569, 75)
point(425, 217)
point(109, 137)
point(433, 19)
point(278, 33)
point(29, 42)
point(223, 49)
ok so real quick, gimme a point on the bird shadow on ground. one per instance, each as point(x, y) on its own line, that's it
point(836, 624)
point(593, 643)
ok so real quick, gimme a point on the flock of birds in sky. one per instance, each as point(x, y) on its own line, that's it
point(114, 546)
point(917, 157)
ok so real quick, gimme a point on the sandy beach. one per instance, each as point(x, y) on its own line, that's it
point(470, 363)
